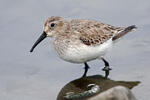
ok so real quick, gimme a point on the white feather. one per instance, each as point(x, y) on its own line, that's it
point(83, 53)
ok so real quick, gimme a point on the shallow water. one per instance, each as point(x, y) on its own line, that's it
point(41, 75)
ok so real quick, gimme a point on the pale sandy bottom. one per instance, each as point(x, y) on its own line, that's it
point(41, 75)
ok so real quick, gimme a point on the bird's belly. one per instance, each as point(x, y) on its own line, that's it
point(83, 53)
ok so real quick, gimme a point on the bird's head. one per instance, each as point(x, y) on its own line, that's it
point(52, 27)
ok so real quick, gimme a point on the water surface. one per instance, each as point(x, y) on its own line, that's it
point(41, 75)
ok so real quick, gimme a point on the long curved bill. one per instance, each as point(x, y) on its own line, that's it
point(42, 37)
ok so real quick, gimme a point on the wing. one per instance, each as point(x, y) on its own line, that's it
point(93, 32)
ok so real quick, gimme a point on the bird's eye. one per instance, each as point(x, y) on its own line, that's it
point(53, 24)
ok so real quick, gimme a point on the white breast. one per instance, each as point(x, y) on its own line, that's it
point(82, 53)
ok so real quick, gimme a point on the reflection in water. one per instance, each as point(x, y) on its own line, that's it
point(88, 86)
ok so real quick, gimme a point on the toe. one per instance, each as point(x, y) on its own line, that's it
point(106, 69)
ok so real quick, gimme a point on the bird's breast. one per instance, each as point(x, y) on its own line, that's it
point(80, 53)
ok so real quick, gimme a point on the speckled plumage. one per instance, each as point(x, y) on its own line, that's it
point(88, 31)
point(79, 41)
point(93, 32)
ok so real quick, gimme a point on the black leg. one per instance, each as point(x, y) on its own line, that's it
point(86, 69)
point(106, 68)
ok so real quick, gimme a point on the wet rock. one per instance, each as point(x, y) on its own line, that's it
point(97, 87)
point(115, 93)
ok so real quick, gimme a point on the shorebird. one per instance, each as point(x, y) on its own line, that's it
point(81, 40)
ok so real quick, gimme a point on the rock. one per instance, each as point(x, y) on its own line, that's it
point(97, 87)
point(115, 93)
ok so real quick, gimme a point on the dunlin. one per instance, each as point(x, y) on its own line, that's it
point(80, 41)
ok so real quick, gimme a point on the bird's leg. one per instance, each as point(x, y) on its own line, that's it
point(86, 69)
point(106, 68)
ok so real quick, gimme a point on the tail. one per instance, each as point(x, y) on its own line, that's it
point(125, 31)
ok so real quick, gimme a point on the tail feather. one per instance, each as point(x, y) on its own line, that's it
point(125, 31)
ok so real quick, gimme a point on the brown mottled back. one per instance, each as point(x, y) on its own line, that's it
point(93, 32)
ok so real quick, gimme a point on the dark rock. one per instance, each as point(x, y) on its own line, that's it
point(80, 89)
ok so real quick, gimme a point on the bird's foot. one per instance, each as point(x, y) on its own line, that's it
point(84, 75)
point(106, 68)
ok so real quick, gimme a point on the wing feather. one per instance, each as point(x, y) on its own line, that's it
point(93, 32)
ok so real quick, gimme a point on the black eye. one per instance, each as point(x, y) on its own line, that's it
point(53, 24)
